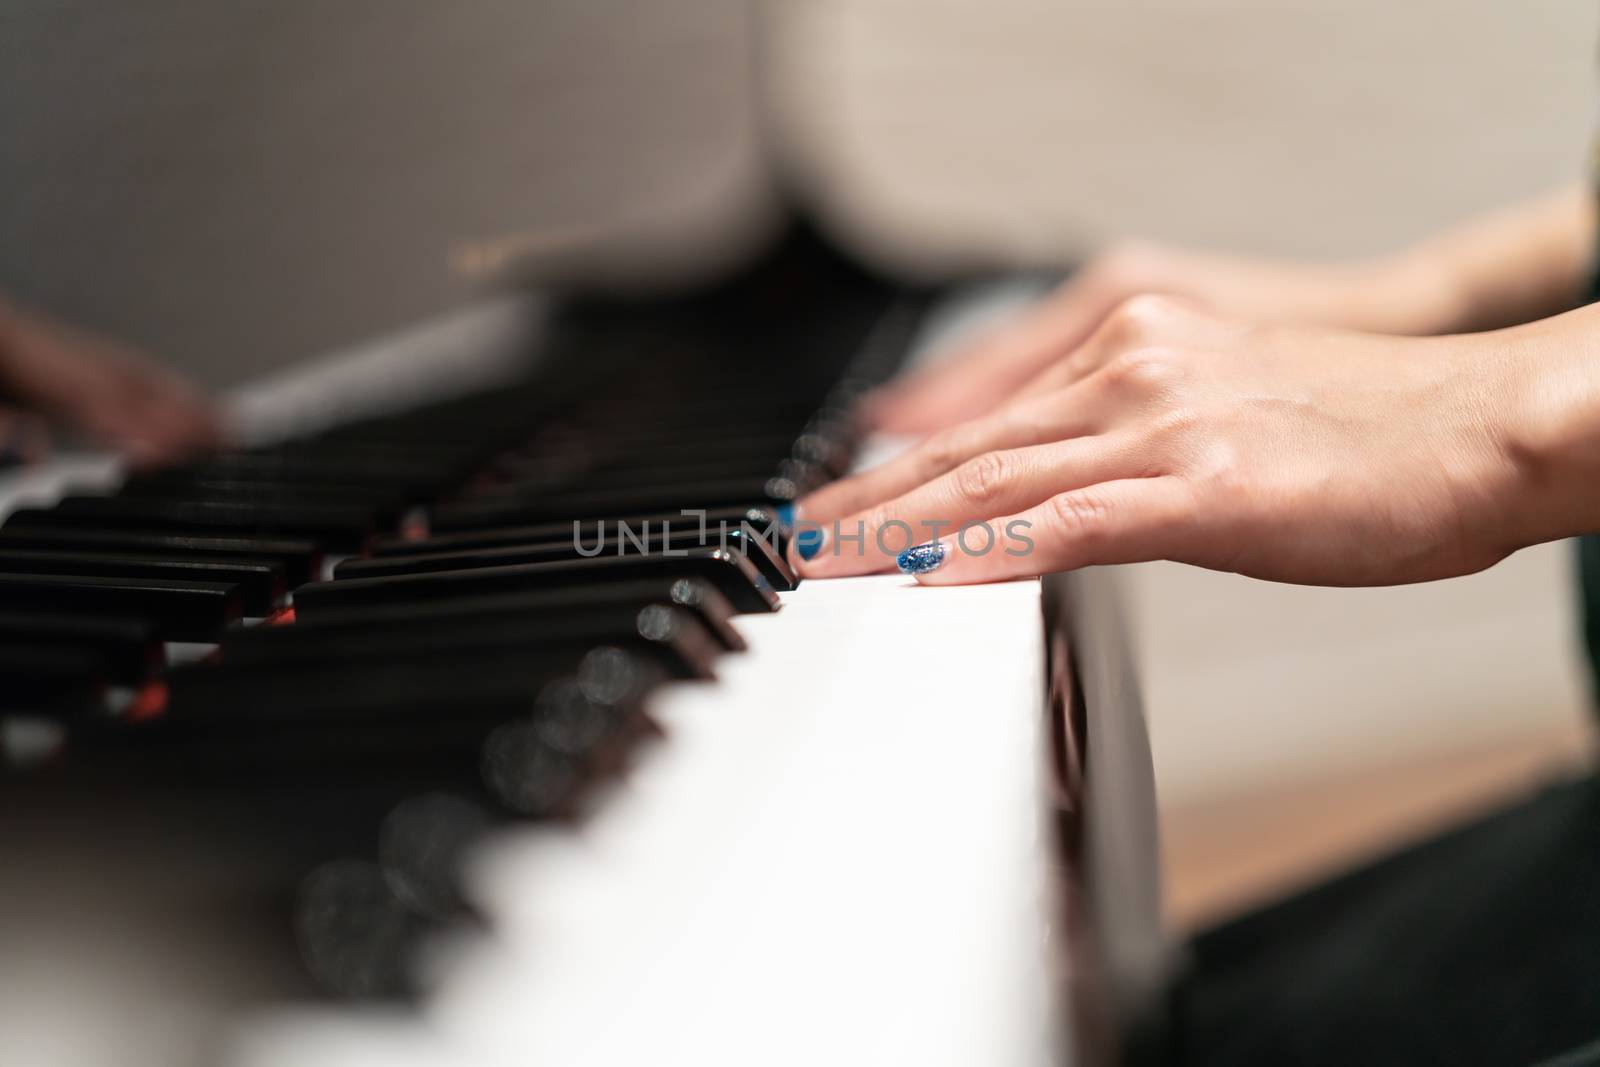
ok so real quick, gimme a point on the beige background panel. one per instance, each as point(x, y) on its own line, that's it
point(1302, 126)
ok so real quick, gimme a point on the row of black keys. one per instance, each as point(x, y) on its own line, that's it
point(93, 586)
point(496, 662)
point(85, 605)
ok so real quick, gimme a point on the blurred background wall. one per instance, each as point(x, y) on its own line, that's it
point(1315, 127)
point(236, 187)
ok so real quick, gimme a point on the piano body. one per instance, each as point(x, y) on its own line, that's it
point(334, 749)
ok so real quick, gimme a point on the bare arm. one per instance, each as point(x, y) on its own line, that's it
point(1525, 263)
point(1521, 264)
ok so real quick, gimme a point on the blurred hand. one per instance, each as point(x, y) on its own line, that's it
point(102, 388)
point(1300, 454)
point(23, 438)
point(1385, 296)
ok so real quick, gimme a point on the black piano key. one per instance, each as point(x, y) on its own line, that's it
point(761, 519)
point(491, 684)
point(580, 504)
point(697, 597)
point(630, 475)
point(180, 610)
point(607, 452)
point(301, 560)
point(261, 581)
point(733, 575)
point(38, 677)
point(658, 631)
point(709, 432)
point(609, 542)
point(339, 527)
point(128, 649)
point(323, 468)
point(170, 486)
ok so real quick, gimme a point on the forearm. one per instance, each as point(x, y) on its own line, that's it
point(1516, 266)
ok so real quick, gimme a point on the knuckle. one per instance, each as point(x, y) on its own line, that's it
point(1174, 425)
point(940, 452)
point(1225, 475)
point(1141, 316)
point(881, 522)
point(1143, 369)
point(983, 480)
point(1081, 516)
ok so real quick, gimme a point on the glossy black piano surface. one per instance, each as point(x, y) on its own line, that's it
point(521, 567)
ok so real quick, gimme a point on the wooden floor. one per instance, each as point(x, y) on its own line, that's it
point(1225, 857)
point(1296, 732)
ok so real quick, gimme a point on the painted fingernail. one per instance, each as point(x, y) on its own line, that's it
point(920, 559)
point(787, 514)
point(808, 542)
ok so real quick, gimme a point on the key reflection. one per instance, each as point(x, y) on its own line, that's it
point(421, 846)
point(354, 933)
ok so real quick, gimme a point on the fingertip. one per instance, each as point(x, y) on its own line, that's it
point(808, 543)
point(210, 431)
point(922, 560)
point(806, 539)
point(142, 453)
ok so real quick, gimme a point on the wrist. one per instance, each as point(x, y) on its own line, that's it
point(1549, 432)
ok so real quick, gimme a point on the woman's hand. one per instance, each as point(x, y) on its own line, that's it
point(1405, 294)
point(1296, 454)
point(100, 387)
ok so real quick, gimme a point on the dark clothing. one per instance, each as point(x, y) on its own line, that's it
point(1479, 947)
point(1589, 579)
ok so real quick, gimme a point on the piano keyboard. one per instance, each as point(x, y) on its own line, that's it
point(520, 743)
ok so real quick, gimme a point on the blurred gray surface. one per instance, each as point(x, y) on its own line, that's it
point(238, 185)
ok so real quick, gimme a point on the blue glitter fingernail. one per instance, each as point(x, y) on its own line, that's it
point(920, 559)
point(786, 514)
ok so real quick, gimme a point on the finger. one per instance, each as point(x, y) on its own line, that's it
point(1039, 420)
point(160, 417)
point(995, 483)
point(181, 424)
point(1124, 521)
point(977, 378)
